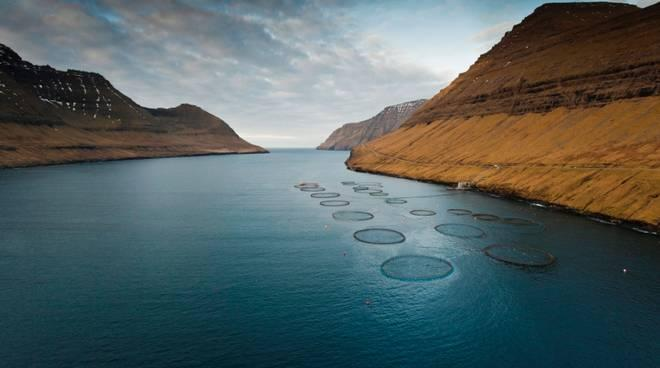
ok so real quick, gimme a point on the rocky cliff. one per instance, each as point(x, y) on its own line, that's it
point(49, 116)
point(353, 134)
point(565, 109)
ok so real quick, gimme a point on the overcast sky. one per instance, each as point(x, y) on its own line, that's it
point(281, 73)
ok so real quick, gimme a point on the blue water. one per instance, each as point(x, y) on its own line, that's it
point(219, 262)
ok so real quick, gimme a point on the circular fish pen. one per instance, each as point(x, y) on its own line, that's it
point(460, 231)
point(485, 217)
point(520, 255)
point(459, 212)
point(395, 201)
point(521, 225)
point(306, 185)
point(334, 203)
point(312, 189)
point(352, 216)
point(515, 221)
point(367, 190)
point(379, 194)
point(422, 212)
point(416, 268)
point(379, 236)
point(325, 195)
point(370, 184)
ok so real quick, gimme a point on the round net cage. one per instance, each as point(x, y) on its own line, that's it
point(459, 211)
point(348, 183)
point(416, 268)
point(395, 201)
point(312, 189)
point(370, 184)
point(522, 225)
point(335, 203)
point(515, 221)
point(379, 236)
point(368, 190)
point(379, 194)
point(352, 216)
point(324, 195)
point(520, 255)
point(306, 185)
point(460, 231)
point(485, 217)
point(422, 212)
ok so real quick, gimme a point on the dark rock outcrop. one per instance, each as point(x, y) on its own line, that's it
point(353, 134)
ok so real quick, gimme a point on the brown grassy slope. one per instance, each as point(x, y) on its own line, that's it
point(587, 138)
point(49, 116)
point(584, 54)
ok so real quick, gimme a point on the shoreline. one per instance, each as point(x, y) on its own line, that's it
point(83, 161)
point(637, 226)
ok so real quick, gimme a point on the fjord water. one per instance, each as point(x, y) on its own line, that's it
point(220, 261)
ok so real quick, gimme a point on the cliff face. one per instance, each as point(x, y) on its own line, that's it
point(49, 116)
point(565, 109)
point(353, 134)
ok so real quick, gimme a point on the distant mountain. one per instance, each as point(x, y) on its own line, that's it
point(565, 109)
point(49, 116)
point(353, 134)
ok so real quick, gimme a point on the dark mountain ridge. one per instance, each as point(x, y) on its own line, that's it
point(36, 102)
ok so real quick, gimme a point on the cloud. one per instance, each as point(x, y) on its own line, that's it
point(296, 67)
point(493, 34)
point(646, 3)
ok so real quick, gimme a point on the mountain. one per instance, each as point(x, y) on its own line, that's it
point(565, 109)
point(353, 134)
point(49, 116)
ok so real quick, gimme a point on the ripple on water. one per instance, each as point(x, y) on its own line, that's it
point(416, 268)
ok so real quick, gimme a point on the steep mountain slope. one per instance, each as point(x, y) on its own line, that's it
point(353, 134)
point(565, 110)
point(49, 116)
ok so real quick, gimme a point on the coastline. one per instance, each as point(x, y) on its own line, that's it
point(82, 161)
point(633, 225)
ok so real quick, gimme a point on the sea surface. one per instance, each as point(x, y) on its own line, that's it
point(220, 261)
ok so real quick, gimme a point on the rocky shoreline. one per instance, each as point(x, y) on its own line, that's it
point(638, 226)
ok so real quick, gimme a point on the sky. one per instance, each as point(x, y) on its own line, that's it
point(282, 73)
